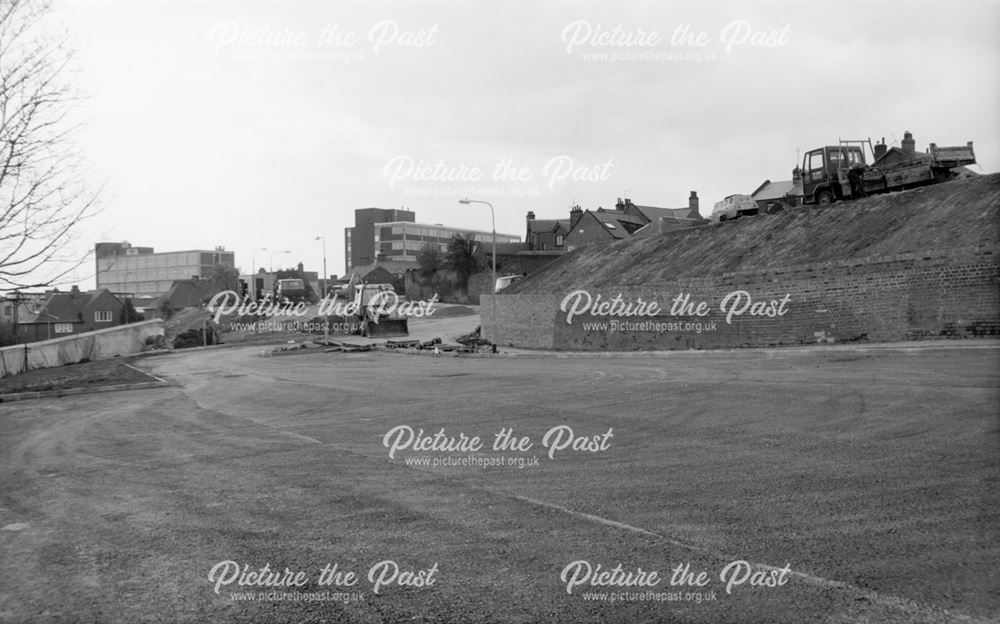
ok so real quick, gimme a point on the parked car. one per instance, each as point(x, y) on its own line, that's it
point(505, 280)
point(732, 207)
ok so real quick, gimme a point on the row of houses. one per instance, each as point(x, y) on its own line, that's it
point(35, 316)
point(30, 317)
point(625, 220)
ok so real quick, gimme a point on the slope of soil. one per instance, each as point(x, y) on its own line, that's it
point(959, 214)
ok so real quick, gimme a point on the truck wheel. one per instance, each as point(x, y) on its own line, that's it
point(824, 198)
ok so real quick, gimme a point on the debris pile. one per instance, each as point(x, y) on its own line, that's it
point(190, 327)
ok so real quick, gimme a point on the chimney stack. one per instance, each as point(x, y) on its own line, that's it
point(693, 205)
point(908, 144)
point(574, 215)
point(880, 149)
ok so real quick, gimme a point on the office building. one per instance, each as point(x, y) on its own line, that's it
point(140, 271)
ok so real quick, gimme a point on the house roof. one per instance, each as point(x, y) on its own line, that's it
point(652, 212)
point(547, 225)
point(776, 190)
point(67, 307)
point(390, 266)
point(669, 224)
point(188, 292)
point(616, 222)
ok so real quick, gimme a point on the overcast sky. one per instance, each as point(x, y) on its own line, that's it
point(252, 124)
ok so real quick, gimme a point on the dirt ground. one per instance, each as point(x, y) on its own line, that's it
point(870, 475)
point(82, 375)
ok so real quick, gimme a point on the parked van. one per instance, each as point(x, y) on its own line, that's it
point(733, 206)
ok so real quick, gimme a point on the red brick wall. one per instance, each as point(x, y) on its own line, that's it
point(913, 296)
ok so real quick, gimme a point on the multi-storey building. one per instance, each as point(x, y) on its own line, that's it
point(401, 241)
point(394, 236)
point(359, 241)
point(139, 271)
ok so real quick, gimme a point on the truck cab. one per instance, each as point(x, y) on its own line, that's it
point(826, 173)
point(292, 290)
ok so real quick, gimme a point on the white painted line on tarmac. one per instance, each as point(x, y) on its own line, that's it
point(885, 600)
point(903, 605)
point(302, 437)
point(146, 373)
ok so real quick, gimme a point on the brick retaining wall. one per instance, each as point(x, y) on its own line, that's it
point(912, 296)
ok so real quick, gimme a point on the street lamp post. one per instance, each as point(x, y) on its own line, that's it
point(493, 221)
point(253, 272)
point(323, 284)
point(326, 325)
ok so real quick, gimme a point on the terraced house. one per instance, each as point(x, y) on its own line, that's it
point(627, 220)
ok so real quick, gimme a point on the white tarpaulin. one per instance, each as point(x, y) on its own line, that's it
point(95, 345)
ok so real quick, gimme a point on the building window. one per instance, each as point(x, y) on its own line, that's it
point(559, 240)
point(63, 328)
point(102, 316)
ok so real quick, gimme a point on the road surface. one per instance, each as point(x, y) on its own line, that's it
point(849, 486)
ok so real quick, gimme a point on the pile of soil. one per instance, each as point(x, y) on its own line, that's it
point(184, 329)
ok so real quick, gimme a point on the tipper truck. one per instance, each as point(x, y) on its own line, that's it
point(842, 171)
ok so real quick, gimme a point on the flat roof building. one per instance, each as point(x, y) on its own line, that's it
point(401, 241)
point(394, 236)
point(139, 271)
point(359, 241)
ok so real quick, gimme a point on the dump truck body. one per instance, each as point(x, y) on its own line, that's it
point(839, 172)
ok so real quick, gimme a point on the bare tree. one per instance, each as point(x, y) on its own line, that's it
point(429, 261)
point(43, 194)
point(463, 256)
